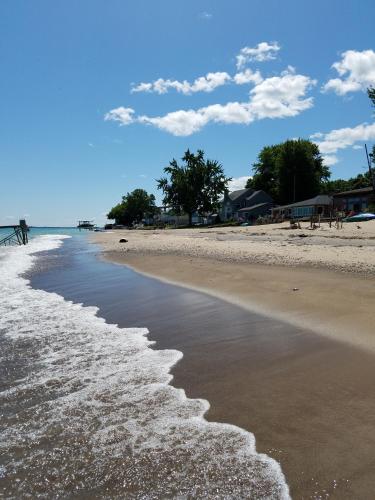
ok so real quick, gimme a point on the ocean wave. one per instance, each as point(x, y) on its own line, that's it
point(88, 408)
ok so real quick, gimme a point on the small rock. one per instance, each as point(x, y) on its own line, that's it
point(295, 289)
point(123, 240)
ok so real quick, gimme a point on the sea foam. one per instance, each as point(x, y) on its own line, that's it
point(87, 408)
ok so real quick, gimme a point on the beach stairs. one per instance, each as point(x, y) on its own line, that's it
point(18, 236)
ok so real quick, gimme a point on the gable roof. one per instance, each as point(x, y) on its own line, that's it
point(236, 194)
point(255, 194)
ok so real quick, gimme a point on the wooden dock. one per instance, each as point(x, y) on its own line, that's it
point(18, 234)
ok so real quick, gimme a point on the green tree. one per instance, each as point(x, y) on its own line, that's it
point(290, 171)
point(371, 94)
point(195, 186)
point(134, 207)
point(265, 173)
point(338, 185)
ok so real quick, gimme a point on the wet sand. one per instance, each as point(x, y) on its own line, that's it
point(308, 398)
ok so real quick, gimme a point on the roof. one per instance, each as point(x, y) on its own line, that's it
point(321, 199)
point(253, 207)
point(365, 190)
point(236, 194)
point(256, 193)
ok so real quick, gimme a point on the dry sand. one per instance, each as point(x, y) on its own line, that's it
point(307, 395)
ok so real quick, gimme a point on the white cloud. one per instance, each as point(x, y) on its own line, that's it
point(143, 87)
point(238, 183)
point(281, 96)
point(231, 112)
point(343, 138)
point(121, 114)
point(9, 217)
point(205, 15)
point(91, 144)
point(184, 123)
point(330, 160)
point(264, 51)
point(357, 72)
point(275, 97)
point(206, 83)
point(247, 76)
point(180, 123)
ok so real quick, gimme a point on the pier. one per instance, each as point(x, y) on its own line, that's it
point(18, 234)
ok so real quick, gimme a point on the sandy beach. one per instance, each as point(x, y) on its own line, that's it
point(319, 279)
point(307, 395)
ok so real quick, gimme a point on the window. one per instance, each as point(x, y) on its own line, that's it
point(302, 211)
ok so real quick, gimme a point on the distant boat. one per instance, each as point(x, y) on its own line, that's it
point(86, 224)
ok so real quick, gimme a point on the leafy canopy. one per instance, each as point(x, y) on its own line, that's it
point(338, 185)
point(290, 171)
point(134, 207)
point(195, 186)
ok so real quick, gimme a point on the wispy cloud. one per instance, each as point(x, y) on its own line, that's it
point(206, 16)
point(356, 71)
point(206, 83)
point(264, 51)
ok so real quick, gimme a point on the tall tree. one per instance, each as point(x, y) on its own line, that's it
point(194, 186)
point(265, 173)
point(290, 171)
point(134, 207)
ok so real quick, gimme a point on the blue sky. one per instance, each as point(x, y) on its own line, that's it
point(66, 66)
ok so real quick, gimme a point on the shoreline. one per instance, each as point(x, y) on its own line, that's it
point(334, 304)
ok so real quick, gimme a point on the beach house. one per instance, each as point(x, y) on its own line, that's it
point(319, 205)
point(355, 200)
point(245, 204)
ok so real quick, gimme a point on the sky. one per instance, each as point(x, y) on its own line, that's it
point(98, 96)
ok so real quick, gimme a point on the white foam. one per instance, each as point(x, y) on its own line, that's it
point(98, 398)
